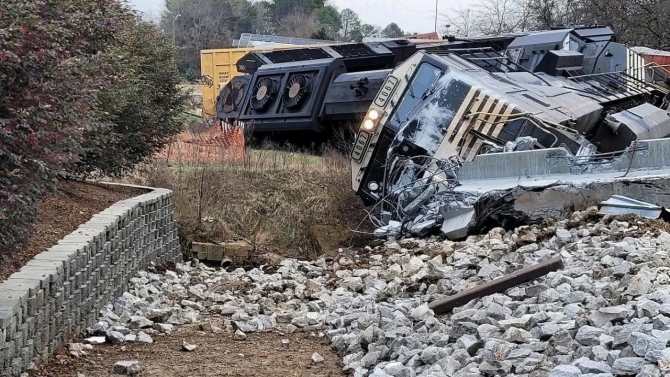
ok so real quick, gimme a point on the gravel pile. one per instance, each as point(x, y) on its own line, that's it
point(606, 313)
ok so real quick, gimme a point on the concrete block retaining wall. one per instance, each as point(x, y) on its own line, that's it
point(61, 291)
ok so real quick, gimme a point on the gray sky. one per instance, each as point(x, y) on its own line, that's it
point(148, 6)
point(412, 15)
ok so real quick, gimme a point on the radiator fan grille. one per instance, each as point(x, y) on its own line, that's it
point(297, 90)
point(232, 96)
point(264, 94)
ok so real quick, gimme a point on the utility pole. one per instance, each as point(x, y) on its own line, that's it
point(175, 55)
point(174, 30)
point(436, 1)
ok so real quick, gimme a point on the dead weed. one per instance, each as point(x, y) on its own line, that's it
point(281, 201)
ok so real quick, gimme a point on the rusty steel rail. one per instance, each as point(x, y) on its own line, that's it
point(498, 285)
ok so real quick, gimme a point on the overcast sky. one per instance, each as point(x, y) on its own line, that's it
point(412, 16)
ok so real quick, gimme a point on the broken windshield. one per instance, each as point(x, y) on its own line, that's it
point(423, 81)
point(429, 123)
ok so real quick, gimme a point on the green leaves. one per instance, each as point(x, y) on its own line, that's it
point(86, 87)
point(392, 30)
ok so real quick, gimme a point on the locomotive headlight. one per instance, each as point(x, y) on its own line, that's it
point(369, 125)
point(371, 120)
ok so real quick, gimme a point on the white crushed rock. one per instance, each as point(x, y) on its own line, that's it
point(606, 313)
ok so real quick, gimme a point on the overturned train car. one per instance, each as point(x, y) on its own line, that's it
point(315, 94)
point(301, 94)
point(420, 151)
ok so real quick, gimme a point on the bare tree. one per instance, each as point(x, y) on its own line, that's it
point(262, 23)
point(490, 17)
point(203, 24)
point(298, 24)
point(637, 22)
point(546, 14)
point(502, 16)
point(461, 21)
point(151, 16)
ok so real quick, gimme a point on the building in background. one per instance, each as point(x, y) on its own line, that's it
point(431, 36)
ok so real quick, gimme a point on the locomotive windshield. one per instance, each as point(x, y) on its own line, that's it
point(425, 78)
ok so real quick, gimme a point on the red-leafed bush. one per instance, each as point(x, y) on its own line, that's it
point(85, 87)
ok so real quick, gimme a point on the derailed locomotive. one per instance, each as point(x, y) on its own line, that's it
point(575, 92)
point(309, 94)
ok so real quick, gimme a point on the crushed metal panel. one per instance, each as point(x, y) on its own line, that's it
point(560, 200)
point(457, 222)
point(486, 172)
point(390, 230)
point(621, 205)
point(642, 122)
point(552, 182)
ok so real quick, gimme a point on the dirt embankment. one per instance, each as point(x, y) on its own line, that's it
point(260, 355)
point(61, 213)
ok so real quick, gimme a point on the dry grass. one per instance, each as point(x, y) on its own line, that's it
point(281, 201)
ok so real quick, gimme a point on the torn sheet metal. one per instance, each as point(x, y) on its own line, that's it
point(457, 222)
point(621, 205)
point(524, 143)
point(509, 189)
point(530, 186)
point(391, 230)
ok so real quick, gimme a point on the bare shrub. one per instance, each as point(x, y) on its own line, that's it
point(281, 201)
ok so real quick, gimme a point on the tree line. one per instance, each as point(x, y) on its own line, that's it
point(636, 22)
point(206, 24)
